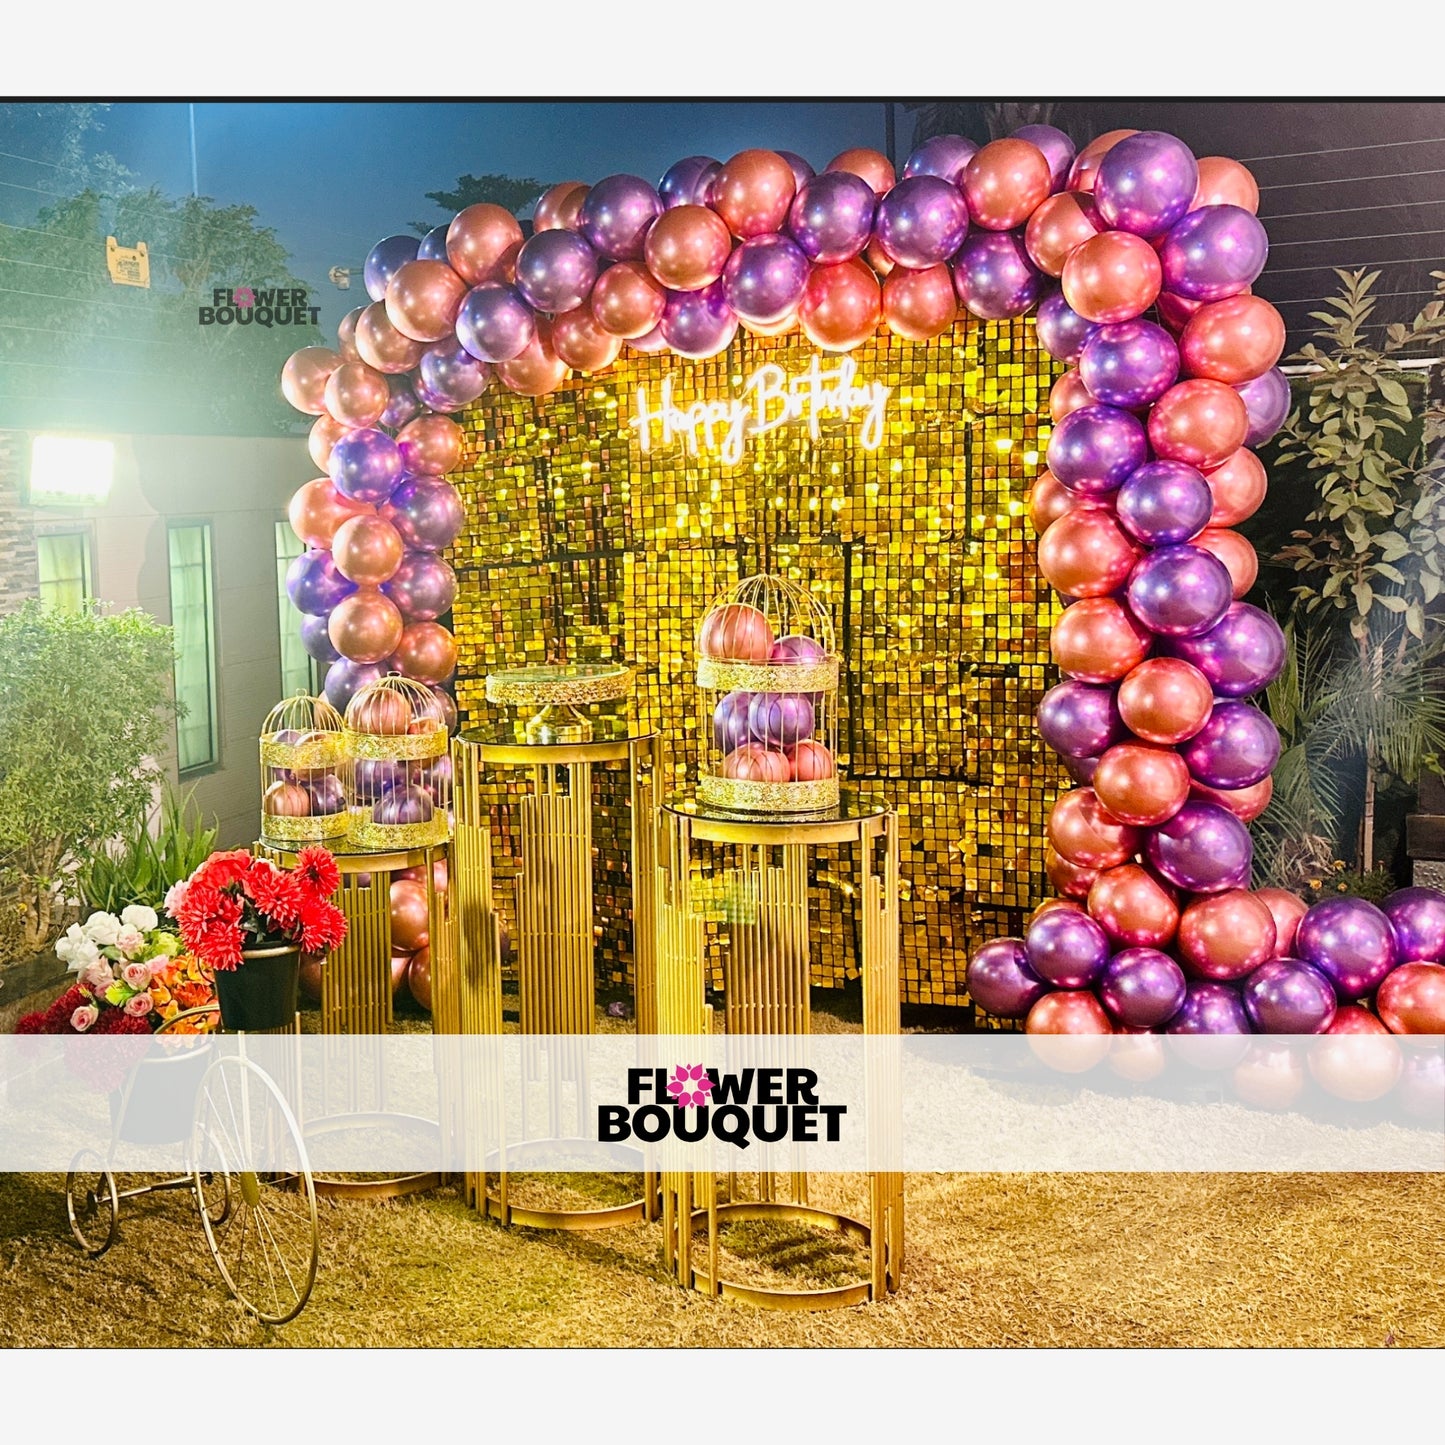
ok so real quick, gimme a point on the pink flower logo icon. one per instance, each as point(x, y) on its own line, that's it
point(689, 1086)
point(244, 296)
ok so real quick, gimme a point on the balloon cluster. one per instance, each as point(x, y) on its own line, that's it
point(302, 792)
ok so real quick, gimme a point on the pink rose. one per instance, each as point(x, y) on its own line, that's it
point(137, 975)
point(175, 896)
point(130, 941)
point(138, 1005)
point(98, 976)
point(84, 1017)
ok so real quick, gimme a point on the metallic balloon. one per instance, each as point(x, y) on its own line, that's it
point(365, 626)
point(1000, 981)
point(831, 217)
point(1165, 700)
point(1267, 402)
point(422, 301)
point(1226, 935)
point(994, 277)
point(1237, 553)
point(430, 446)
point(1087, 835)
point(425, 651)
point(317, 640)
point(1079, 721)
point(1067, 395)
point(314, 585)
point(538, 370)
point(1179, 591)
point(1146, 183)
point(1199, 422)
point(1062, 331)
point(367, 550)
point(344, 679)
point(1418, 917)
point(1350, 941)
point(752, 193)
point(381, 345)
point(304, 378)
point(841, 306)
point(1270, 1076)
point(921, 222)
point(627, 301)
point(1066, 948)
point(1086, 554)
point(1113, 276)
point(1058, 149)
point(384, 260)
point(1164, 503)
point(1288, 908)
point(918, 305)
point(419, 978)
point(1129, 363)
point(433, 245)
point(1005, 183)
point(346, 334)
point(1057, 226)
point(1073, 880)
point(1095, 449)
point(477, 240)
point(1210, 1008)
point(1236, 748)
point(450, 373)
point(1241, 654)
point(1412, 999)
point(687, 247)
point(325, 432)
point(699, 324)
point(1287, 996)
point(582, 343)
point(317, 509)
point(941, 155)
point(423, 587)
point(1141, 783)
point(1421, 1089)
point(427, 511)
point(556, 271)
point(410, 915)
point(1069, 1013)
point(402, 403)
point(1142, 988)
point(1134, 909)
point(1214, 252)
point(495, 323)
point(872, 166)
point(780, 719)
point(366, 466)
point(615, 218)
point(686, 182)
point(1238, 486)
point(1098, 640)
point(1235, 341)
point(1353, 1062)
point(560, 207)
point(1224, 182)
point(1049, 499)
point(1203, 848)
point(1084, 172)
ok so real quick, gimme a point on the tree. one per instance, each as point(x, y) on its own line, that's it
point(978, 120)
point(514, 193)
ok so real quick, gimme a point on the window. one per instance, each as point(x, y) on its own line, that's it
point(70, 471)
point(64, 570)
point(296, 666)
point(193, 619)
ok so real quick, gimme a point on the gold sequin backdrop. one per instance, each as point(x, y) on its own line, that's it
point(580, 546)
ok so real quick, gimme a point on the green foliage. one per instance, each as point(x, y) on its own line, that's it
point(514, 193)
point(1340, 881)
point(84, 706)
point(140, 865)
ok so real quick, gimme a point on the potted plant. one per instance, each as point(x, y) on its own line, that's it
point(249, 921)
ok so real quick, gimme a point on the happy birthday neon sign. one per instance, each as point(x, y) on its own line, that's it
point(770, 398)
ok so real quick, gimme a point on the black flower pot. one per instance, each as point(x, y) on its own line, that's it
point(161, 1102)
point(261, 994)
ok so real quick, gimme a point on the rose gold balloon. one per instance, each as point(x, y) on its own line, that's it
point(1224, 182)
point(367, 550)
point(430, 446)
point(423, 298)
point(426, 651)
point(1356, 1019)
point(1097, 640)
point(285, 800)
point(627, 301)
point(808, 761)
point(1059, 224)
point(410, 918)
point(1412, 999)
point(1137, 1057)
point(418, 978)
point(1141, 783)
point(506, 267)
point(841, 307)
point(687, 247)
point(313, 970)
point(560, 207)
point(1085, 170)
point(346, 334)
point(1355, 1059)
point(1113, 276)
point(1165, 700)
point(882, 263)
point(1270, 1076)
point(381, 345)
point(1086, 554)
point(318, 509)
point(873, 166)
point(1049, 499)
point(399, 965)
point(356, 395)
point(326, 431)
point(1049, 904)
point(1286, 909)
point(380, 710)
point(581, 342)
point(366, 626)
point(538, 370)
point(919, 305)
point(751, 193)
point(1226, 935)
point(1202, 423)
point(1236, 552)
point(1086, 834)
point(1005, 183)
point(1133, 907)
point(1071, 879)
point(1234, 340)
point(1245, 803)
point(1068, 394)
point(1070, 1013)
point(753, 764)
point(304, 378)
point(1238, 487)
point(477, 240)
point(785, 326)
point(738, 633)
point(1176, 311)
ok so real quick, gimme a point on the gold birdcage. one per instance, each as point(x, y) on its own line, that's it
point(304, 769)
point(767, 677)
point(400, 792)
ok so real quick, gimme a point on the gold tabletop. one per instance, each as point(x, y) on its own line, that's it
point(855, 816)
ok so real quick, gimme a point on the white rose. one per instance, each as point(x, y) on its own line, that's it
point(130, 941)
point(68, 946)
point(140, 917)
point(103, 928)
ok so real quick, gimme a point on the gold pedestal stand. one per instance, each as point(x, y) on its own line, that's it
point(766, 982)
point(555, 941)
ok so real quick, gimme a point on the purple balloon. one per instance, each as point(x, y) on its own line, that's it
point(1142, 988)
point(794, 647)
point(556, 270)
point(403, 805)
point(921, 221)
point(831, 217)
point(1421, 1088)
point(1146, 182)
point(765, 278)
point(434, 244)
point(443, 706)
point(326, 794)
point(993, 276)
point(1095, 449)
point(1058, 149)
point(1241, 654)
point(1129, 364)
point(404, 403)
point(1203, 848)
point(1351, 942)
point(366, 466)
point(802, 171)
point(437, 778)
point(1288, 996)
point(730, 720)
point(495, 323)
point(314, 585)
point(1164, 503)
point(686, 182)
point(423, 587)
point(1213, 252)
point(447, 369)
point(1062, 331)
point(1179, 591)
point(1000, 980)
point(316, 638)
point(1237, 747)
point(1082, 770)
point(346, 678)
point(1210, 1008)
point(941, 155)
point(699, 324)
point(1418, 917)
point(780, 719)
point(1067, 948)
point(1266, 402)
point(1078, 720)
point(384, 260)
point(616, 217)
point(427, 511)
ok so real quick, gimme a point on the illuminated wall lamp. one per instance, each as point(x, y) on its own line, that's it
point(70, 471)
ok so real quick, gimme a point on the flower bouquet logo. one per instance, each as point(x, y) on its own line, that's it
point(695, 1102)
point(245, 306)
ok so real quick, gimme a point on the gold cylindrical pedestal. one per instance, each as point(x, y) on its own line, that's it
point(766, 982)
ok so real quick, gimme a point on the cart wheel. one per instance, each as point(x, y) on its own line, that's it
point(91, 1203)
point(264, 1240)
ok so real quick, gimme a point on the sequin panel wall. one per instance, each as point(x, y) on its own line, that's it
point(580, 545)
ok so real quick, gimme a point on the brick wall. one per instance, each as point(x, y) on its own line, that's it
point(19, 569)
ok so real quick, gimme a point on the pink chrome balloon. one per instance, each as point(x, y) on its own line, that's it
point(538, 370)
point(1165, 700)
point(325, 432)
point(1237, 553)
point(410, 917)
point(1113, 276)
point(1412, 999)
point(1098, 640)
point(1234, 341)
point(582, 343)
point(841, 306)
point(1133, 907)
point(1073, 880)
point(1070, 1013)
point(1085, 834)
point(738, 633)
point(1085, 169)
point(1224, 182)
point(1068, 394)
point(1086, 554)
point(1142, 783)
point(1355, 1059)
point(751, 193)
point(1238, 485)
point(1270, 1076)
point(1226, 935)
point(919, 305)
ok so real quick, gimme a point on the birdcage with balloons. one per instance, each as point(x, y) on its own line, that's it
point(304, 768)
point(400, 792)
point(767, 676)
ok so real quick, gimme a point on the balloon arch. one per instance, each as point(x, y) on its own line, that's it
point(1137, 260)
